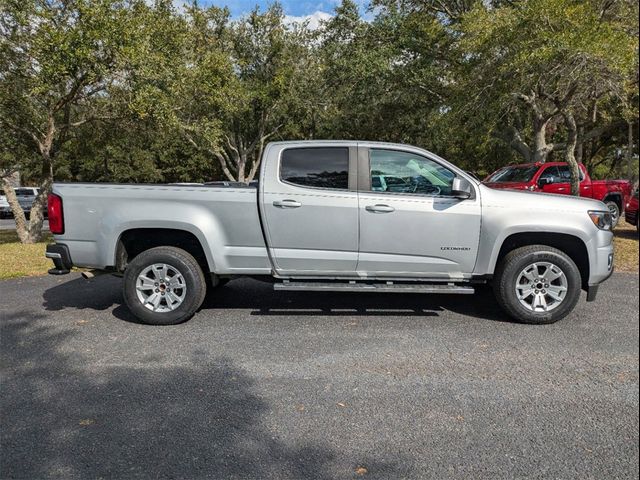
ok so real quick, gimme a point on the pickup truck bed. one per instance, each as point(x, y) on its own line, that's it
point(226, 216)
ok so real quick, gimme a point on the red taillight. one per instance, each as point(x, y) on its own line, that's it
point(56, 217)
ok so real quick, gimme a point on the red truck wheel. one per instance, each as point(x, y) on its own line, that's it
point(614, 209)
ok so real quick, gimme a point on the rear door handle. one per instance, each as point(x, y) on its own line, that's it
point(379, 208)
point(286, 204)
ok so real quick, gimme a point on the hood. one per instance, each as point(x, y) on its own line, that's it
point(538, 201)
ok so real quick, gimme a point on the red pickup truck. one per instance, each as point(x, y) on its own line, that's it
point(631, 211)
point(554, 177)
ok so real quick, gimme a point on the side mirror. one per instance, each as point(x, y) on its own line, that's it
point(545, 181)
point(461, 188)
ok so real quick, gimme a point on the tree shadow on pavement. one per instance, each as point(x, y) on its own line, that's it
point(64, 419)
point(104, 292)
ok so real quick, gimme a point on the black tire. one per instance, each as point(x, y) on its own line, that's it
point(186, 265)
point(508, 273)
point(615, 210)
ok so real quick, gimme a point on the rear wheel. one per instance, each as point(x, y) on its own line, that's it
point(164, 286)
point(537, 284)
point(614, 209)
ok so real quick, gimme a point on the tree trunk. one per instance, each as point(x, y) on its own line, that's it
point(630, 172)
point(580, 145)
point(541, 149)
point(22, 227)
point(242, 162)
point(256, 163)
point(243, 155)
point(36, 218)
point(569, 154)
point(29, 231)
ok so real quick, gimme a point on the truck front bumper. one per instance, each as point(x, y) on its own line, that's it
point(59, 253)
point(601, 269)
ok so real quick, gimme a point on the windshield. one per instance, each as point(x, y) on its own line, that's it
point(514, 174)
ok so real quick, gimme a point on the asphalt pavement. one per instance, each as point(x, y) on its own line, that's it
point(299, 385)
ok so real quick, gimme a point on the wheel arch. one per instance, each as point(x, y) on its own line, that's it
point(616, 197)
point(571, 245)
point(133, 241)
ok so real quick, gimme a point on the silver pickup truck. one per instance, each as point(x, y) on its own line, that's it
point(336, 216)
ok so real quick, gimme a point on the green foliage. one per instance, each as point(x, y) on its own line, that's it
point(527, 68)
point(133, 90)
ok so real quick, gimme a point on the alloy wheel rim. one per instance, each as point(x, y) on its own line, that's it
point(614, 211)
point(541, 287)
point(161, 288)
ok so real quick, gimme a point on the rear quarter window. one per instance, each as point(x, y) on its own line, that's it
point(316, 167)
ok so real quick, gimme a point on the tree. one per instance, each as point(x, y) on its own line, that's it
point(56, 58)
point(268, 61)
point(138, 90)
point(225, 85)
point(541, 65)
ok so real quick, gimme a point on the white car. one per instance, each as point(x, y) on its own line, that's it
point(5, 209)
point(26, 197)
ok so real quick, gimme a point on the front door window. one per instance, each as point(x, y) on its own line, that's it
point(403, 172)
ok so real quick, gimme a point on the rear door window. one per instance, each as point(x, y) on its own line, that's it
point(565, 174)
point(550, 173)
point(316, 167)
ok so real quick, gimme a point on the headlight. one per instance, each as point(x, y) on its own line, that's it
point(601, 219)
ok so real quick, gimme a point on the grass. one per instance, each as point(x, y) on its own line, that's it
point(18, 260)
point(625, 242)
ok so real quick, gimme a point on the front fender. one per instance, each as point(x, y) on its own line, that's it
point(526, 228)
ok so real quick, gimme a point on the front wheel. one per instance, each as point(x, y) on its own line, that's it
point(164, 286)
point(614, 209)
point(537, 284)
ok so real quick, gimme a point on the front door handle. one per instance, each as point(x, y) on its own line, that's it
point(286, 204)
point(379, 208)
